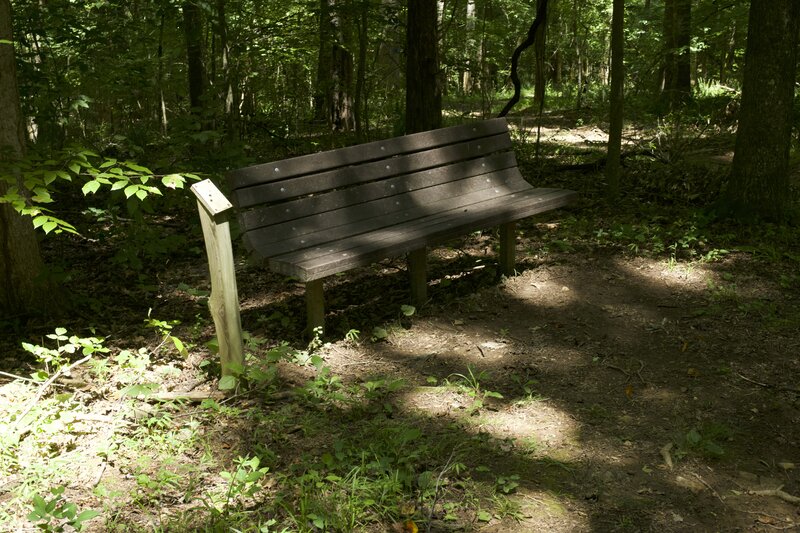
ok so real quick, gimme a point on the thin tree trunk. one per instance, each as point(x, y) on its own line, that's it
point(20, 260)
point(759, 184)
point(537, 25)
point(540, 81)
point(361, 70)
point(613, 168)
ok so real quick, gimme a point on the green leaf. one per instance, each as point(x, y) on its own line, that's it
point(484, 516)
point(141, 194)
point(173, 181)
point(137, 168)
point(90, 187)
point(227, 383)
point(408, 310)
point(83, 516)
point(49, 226)
point(119, 185)
point(379, 333)
point(179, 346)
point(130, 190)
point(40, 220)
point(108, 163)
point(74, 167)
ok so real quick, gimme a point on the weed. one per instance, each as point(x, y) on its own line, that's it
point(471, 384)
point(243, 482)
point(164, 328)
point(707, 440)
point(58, 513)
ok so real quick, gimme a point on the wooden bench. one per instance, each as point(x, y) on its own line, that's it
point(312, 216)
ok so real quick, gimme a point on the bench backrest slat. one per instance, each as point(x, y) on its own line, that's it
point(313, 230)
point(329, 201)
point(277, 191)
point(323, 161)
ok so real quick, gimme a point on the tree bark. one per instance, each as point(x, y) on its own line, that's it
point(193, 32)
point(333, 100)
point(540, 80)
point(677, 81)
point(759, 184)
point(423, 84)
point(613, 167)
point(20, 260)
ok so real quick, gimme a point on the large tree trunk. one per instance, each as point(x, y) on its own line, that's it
point(193, 32)
point(20, 261)
point(677, 80)
point(423, 84)
point(759, 184)
point(613, 168)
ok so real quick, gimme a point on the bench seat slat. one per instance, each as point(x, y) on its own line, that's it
point(356, 220)
point(382, 169)
point(320, 162)
point(330, 201)
point(364, 249)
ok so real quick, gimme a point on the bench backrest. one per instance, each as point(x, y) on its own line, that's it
point(302, 201)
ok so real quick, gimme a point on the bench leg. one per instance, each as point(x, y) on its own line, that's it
point(508, 248)
point(418, 271)
point(315, 306)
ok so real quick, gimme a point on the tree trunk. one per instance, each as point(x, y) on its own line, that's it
point(540, 81)
point(20, 261)
point(333, 100)
point(193, 31)
point(613, 168)
point(231, 98)
point(759, 184)
point(423, 85)
point(361, 70)
point(676, 82)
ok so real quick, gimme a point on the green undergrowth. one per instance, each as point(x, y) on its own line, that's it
point(90, 440)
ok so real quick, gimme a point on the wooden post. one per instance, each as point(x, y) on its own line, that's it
point(315, 306)
point(508, 248)
point(418, 273)
point(224, 300)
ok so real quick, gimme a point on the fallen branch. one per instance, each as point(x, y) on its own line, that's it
point(46, 385)
point(778, 493)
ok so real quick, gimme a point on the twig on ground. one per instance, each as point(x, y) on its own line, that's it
point(639, 372)
point(709, 487)
point(627, 375)
point(46, 385)
point(768, 385)
point(14, 376)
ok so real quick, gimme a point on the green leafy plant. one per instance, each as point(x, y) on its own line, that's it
point(243, 482)
point(164, 329)
point(55, 359)
point(471, 384)
point(55, 514)
point(39, 175)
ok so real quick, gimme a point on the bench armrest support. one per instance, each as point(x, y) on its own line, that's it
point(223, 303)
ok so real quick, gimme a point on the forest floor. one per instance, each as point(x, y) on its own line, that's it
point(612, 385)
